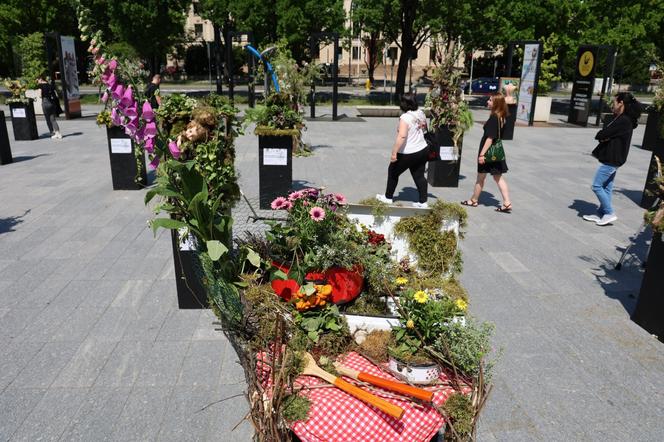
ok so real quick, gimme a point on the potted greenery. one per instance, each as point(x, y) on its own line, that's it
point(450, 118)
point(649, 312)
point(548, 75)
point(22, 111)
point(32, 60)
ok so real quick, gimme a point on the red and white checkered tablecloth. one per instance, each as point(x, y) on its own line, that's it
point(335, 416)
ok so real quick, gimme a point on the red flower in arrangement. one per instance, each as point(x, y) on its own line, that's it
point(346, 284)
point(375, 239)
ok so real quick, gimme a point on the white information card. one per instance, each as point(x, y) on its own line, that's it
point(18, 112)
point(447, 153)
point(120, 145)
point(275, 157)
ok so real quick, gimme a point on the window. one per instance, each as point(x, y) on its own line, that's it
point(340, 52)
point(197, 8)
point(198, 30)
point(392, 53)
point(356, 52)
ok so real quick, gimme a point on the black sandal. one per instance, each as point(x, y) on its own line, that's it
point(471, 202)
point(505, 208)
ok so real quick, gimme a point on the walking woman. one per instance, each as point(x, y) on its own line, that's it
point(409, 152)
point(492, 130)
point(50, 106)
point(614, 141)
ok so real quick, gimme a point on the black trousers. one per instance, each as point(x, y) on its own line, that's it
point(416, 163)
point(49, 115)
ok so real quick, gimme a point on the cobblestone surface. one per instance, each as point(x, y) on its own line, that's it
point(94, 348)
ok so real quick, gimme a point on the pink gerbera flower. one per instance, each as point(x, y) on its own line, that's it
point(295, 195)
point(287, 205)
point(339, 198)
point(317, 213)
point(278, 203)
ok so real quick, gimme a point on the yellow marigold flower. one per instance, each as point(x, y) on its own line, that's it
point(421, 296)
point(401, 281)
point(324, 290)
point(461, 304)
point(410, 324)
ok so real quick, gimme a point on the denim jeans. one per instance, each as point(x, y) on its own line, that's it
point(603, 186)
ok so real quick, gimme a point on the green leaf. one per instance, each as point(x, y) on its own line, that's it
point(313, 335)
point(166, 223)
point(253, 258)
point(278, 274)
point(216, 249)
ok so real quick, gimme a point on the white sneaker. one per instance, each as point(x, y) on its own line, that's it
point(607, 219)
point(592, 218)
point(384, 199)
point(421, 205)
point(57, 136)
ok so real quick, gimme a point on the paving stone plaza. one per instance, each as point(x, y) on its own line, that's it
point(93, 346)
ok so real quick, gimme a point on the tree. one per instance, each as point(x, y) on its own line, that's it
point(152, 27)
point(374, 18)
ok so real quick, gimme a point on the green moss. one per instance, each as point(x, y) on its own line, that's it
point(378, 208)
point(459, 408)
point(296, 408)
point(268, 131)
point(376, 343)
point(451, 287)
point(436, 251)
point(366, 304)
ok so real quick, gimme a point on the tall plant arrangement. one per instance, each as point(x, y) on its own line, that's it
point(445, 99)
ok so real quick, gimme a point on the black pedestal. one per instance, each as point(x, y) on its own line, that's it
point(652, 135)
point(507, 132)
point(275, 167)
point(24, 122)
point(649, 312)
point(5, 148)
point(444, 173)
point(191, 293)
point(123, 162)
point(648, 197)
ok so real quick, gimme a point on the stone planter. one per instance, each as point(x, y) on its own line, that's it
point(418, 374)
point(445, 172)
point(652, 136)
point(542, 109)
point(385, 225)
point(361, 325)
point(35, 95)
point(5, 148)
point(275, 167)
point(124, 167)
point(190, 291)
point(24, 122)
point(649, 312)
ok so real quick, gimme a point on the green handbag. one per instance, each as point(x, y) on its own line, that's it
point(495, 152)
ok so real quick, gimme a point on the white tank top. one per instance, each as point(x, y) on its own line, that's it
point(415, 140)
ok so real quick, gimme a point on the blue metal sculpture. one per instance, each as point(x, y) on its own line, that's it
point(268, 66)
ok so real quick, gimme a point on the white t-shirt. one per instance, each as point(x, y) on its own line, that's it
point(415, 141)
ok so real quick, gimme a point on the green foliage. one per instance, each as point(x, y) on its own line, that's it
point(436, 251)
point(123, 50)
point(295, 408)
point(378, 208)
point(549, 66)
point(468, 344)
point(460, 410)
point(279, 112)
point(32, 56)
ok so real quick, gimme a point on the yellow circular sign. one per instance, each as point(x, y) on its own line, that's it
point(586, 63)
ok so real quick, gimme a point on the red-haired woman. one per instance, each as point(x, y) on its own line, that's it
point(492, 129)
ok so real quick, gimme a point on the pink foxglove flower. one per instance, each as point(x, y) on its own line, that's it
point(104, 97)
point(174, 149)
point(278, 203)
point(100, 60)
point(154, 163)
point(149, 145)
point(116, 118)
point(131, 127)
point(118, 91)
point(131, 111)
point(113, 64)
point(127, 98)
point(151, 130)
point(317, 214)
point(148, 113)
point(139, 135)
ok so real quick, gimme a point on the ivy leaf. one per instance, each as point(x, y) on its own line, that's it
point(254, 258)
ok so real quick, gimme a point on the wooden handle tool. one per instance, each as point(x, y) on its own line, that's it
point(397, 387)
point(312, 369)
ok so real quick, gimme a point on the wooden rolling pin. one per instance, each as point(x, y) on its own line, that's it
point(312, 369)
point(397, 387)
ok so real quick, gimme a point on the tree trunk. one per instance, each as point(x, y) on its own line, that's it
point(408, 14)
point(372, 58)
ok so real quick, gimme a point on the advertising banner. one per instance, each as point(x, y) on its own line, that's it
point(69, 76)
point(582, 91)
point(528, 83)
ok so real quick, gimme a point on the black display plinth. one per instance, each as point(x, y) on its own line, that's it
point(444, 173)
point(507, 132)
point(123, 162)
point(24, 121)
point(649, 189)
point(5, 148)
point(649, 312)
point(652, 135)
point(275, 167)
point(191, 293)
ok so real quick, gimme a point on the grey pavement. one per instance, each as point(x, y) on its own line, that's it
point(94, 348)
